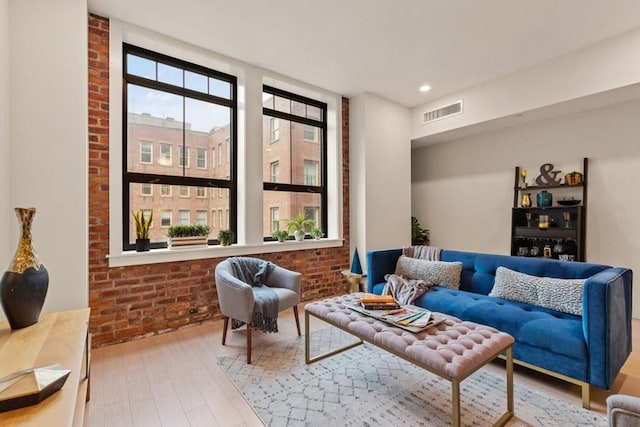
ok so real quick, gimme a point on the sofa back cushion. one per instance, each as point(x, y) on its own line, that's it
point(479, 270)
point(563, 295)
point(439, 273)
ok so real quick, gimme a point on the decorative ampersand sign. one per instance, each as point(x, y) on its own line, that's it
point(548, 175)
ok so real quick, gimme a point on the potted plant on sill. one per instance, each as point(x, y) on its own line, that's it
point(225, 237)
point(316, 233)
point(142, 230)
point(299, 226)
point(185, 235)
point(280, 235)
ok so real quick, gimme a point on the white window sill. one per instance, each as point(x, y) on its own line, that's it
point(156, 256)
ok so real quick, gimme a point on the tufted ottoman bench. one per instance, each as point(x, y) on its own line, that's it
point(453, 350)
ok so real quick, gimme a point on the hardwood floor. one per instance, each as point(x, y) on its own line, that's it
point(174, 379)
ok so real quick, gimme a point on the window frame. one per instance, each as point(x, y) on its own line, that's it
point(321, 139)
point(129, 178)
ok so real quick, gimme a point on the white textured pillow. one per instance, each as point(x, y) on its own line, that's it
point(563, 295)
point(515, 286)
point(439, 273)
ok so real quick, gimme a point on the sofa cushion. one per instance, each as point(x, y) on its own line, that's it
point(563, 295)
point(535, 326)
point(439, 273)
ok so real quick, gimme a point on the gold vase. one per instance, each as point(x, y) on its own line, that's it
point(526, 200)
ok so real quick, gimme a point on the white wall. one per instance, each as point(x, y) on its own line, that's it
point(5, 242)
point(607, 65)
point(48, 139)
point(462, 190)
point(380, 153)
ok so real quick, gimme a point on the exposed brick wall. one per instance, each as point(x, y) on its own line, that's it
point(132, 302)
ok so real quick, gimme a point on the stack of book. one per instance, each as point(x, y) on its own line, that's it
point(379, 302)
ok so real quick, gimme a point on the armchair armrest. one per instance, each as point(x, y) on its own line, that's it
point(281, 277)
point(235, 296)
point(606, 323)
point(380, 263)
point(623, 410)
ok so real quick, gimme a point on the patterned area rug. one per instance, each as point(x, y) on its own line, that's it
point(366, 386)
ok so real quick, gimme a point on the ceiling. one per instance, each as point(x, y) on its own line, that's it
point(384, 47)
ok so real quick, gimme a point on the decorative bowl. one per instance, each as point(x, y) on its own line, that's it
point(568, 202)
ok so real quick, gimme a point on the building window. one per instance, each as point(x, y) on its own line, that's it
point(164, 158)
point(275, 219)
point(184, 217)
point(146, 152)
point(297, 179)
point(311, 172)
point(165, 219)
point(201, 158)
point(275, 129)
point(192, 106)
point(310, 133)
point(220, 154)
point(213, 157)
point(311, 212)
point(201, 217)
point(183, 155)
point(146, 189)
point(165, 190)
point(201, 192)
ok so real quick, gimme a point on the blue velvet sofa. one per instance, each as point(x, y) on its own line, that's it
point(585, 350)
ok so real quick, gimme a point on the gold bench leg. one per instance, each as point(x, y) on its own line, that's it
point(307, 345)
point(455, 402)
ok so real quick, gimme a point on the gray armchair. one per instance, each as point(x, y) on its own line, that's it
point(236, 297)
point(623, 411)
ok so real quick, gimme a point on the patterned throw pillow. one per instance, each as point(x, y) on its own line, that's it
point(563, 295)
point(439, 273)
point(515, 286)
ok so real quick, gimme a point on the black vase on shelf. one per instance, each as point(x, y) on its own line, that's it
point(23, 287)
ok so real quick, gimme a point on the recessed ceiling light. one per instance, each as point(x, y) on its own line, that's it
point(425, 88)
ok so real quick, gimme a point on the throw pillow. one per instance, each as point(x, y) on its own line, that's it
point(514, 286)
point(439, 273)
point(563, 295)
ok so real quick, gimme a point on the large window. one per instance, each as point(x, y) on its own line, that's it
point(184, 110)
point(294, 170)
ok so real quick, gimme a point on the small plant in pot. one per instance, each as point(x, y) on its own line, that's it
point(143, 224)
point(225, 237)
point(181, 235)
point(280, 235)
point(299, 226)
point(316, 233)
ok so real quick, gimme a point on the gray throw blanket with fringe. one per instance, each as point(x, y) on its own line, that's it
point(255, 272)
point(430, 253)
point(405, 291)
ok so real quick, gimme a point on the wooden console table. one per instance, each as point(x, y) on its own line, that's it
point(56, 338)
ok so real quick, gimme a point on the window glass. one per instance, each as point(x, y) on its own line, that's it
point(219, 88)
point(294, 152)
point(164, 157)
point(141, 67)
point(288, 205)
point(169, 74)
point(196, 81)
point(166, 130)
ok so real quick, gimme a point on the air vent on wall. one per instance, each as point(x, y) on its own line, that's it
point(442, 112)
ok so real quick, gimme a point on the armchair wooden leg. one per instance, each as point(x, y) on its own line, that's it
point(248, 344)
point(295, 313)
point(224, 331)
